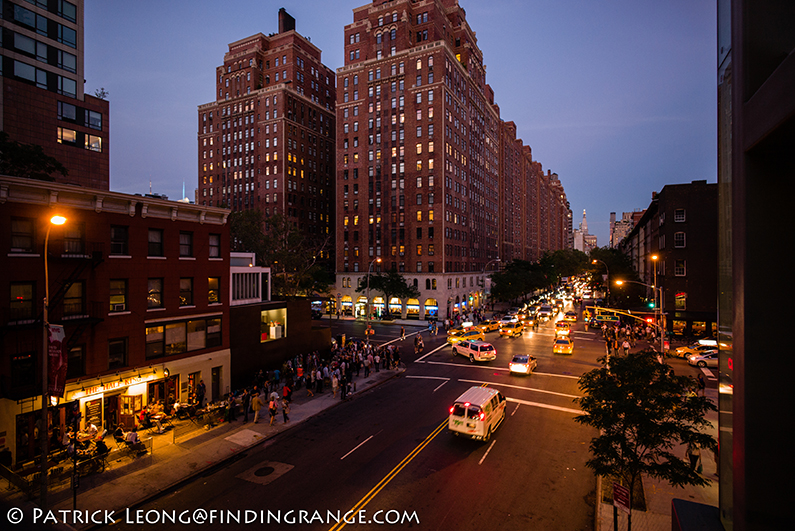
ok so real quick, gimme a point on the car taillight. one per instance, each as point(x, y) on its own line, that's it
point(451, 409)
point(482, 416)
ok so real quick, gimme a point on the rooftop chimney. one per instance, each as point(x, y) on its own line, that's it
point(286, 22)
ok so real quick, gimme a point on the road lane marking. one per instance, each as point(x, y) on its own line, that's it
point(462, 365)
point(440, 385)
point(440, 347)
point(520, 387)
point(391, 475)
point(487, 452)
point(428, 377)
point(545, 406)
point(357, 447)
point(515, 410)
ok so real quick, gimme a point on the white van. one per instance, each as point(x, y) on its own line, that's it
point(477, 413)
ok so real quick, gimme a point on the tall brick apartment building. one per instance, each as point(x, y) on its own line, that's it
point(428, 176)
point(267, 141)
point(42, 100)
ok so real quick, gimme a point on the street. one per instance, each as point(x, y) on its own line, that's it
point(386, 454)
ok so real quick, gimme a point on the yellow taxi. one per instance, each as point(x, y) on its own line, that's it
point(511, 329)
point(562, 328)
point(488, 326)
point(571, 316)
point(470, 335)
point(563, 345)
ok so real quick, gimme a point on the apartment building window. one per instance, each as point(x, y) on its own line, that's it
point(74, 300)
point(119, 240)
point(679, 215)
point(23, 301)
point(186, 244)
point(22, 236)
point(154, 298)
point(186, 292)
point(117, 353)
point(155, 242)
point(74, 238)
point(214, 290)
point(75, 365)
point(155, 346)
point(215, 246)
point(118, 295)
point(680, 301)
point(680, 269)
point(679, 240)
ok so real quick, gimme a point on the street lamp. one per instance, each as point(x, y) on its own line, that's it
point(484, 272)
point(45, 424)
point(367, 304)
point(608, 278)
point(657, 315)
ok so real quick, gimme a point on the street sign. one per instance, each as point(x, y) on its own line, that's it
point(621, 497)
point(607, 318)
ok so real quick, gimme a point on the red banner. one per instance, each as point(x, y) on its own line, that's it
point(56, 361)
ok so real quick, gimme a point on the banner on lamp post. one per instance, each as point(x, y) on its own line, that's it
point(56, 355)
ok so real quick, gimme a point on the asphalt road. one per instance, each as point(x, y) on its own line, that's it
point(388, 450)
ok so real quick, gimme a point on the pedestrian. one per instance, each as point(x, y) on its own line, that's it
point(335, 384)
point(377, 360)
point(201, 389)
point(272, 410)
point(694, 455)
point(702, 384)
point(245, 399)
point(311, 383)
point(625, 346)
point(402, 333)
point(256, 405)
point(319, 379)
point(285, 411)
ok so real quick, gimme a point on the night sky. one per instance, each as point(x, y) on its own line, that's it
point(616, 97)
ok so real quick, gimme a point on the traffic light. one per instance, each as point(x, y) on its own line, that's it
point(651, 304)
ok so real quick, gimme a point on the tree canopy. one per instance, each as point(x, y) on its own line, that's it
point(390, 284)
point(643, 412)
point(27, 160)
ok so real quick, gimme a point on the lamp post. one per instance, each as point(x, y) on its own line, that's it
point(367, 304)
point(657, 315)
point(44, 431)
point(485, 267)
point(608, 278)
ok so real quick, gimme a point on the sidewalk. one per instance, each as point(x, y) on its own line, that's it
point(172, 463)
point(657, 516)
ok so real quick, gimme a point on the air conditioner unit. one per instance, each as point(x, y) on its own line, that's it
point(119, 307)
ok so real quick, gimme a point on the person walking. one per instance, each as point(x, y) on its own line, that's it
point(311, 383)
point(272, 410)
point(335, 384)
point(285, 411)
point(256, 405)
point(694, 456)
point(702, 384)
point(402, 333)
point(625, 346)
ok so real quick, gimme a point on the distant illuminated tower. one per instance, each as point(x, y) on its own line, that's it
point(582, 240)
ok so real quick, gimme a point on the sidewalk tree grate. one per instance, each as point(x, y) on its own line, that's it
point(264, 471)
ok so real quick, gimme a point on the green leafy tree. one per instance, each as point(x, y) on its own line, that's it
point(295, 257)
point(643, 412)
point(247, 232)
point(27, 160)
point(390, 284)
point(620, 266)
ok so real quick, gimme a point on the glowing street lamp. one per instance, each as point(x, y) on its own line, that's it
point(45, 425)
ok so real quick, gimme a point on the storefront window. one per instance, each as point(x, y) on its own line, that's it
point(273, 324)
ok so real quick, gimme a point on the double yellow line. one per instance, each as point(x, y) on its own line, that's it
point(389, 477)
point(394, 472)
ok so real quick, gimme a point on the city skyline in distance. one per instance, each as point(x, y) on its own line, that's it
point(618, 99)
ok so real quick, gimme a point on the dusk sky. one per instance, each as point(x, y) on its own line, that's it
point(618, 97)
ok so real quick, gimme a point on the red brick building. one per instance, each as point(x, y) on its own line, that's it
point(140, 286)
point(41, 79)
point(268, 140)
point(419, 160)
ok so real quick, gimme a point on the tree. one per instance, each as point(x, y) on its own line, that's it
point(247, 232)
point(643, 411)
point(390, 284)
point(297, 255)
point(27, 160)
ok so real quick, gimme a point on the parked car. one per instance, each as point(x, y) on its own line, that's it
point(522, 364)
point(475, 350)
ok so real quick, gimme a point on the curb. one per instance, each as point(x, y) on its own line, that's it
point(226, 461)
